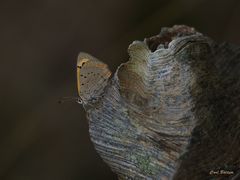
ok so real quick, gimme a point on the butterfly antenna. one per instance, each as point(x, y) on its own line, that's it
point(75, 99)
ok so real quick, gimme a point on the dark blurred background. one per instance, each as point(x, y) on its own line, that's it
point(39, 42)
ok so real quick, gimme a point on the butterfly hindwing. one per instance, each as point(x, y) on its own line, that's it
point(92, 76)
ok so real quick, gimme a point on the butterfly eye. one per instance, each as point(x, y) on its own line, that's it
point(79, 101)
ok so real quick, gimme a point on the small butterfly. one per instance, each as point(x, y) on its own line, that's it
point(92, 77)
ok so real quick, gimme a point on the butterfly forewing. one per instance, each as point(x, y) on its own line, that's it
point(92, 76)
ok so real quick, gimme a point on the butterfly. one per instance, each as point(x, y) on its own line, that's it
point(92, 78)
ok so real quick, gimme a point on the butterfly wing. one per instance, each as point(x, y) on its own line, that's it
point(92, 77)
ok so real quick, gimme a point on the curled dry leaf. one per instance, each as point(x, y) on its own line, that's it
point(172, 110)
